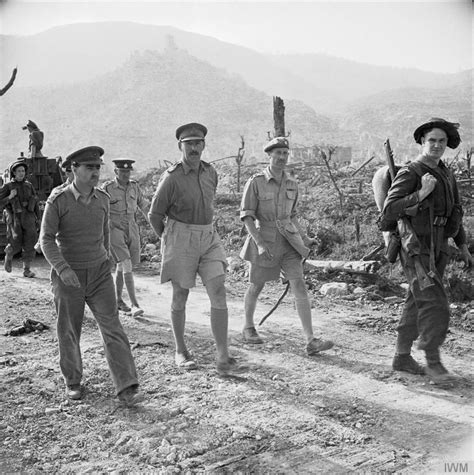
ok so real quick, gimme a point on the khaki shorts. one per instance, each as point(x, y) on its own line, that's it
point(286, 262)
point(190, 249)
point(125, 244)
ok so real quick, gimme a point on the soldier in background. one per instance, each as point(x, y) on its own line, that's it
point(20, 200)
point(36, 139)
point(277, 245)
point(431, 203)
point(126, 198)
point(75, 241)
point(190, 244)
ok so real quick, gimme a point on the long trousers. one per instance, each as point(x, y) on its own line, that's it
point(98, 291)
point(426, 312)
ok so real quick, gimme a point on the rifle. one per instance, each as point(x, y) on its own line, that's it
point(409, 241)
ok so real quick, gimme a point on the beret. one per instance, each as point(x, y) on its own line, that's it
point(191, 131)
point(451, 129)
point(90, 154)
point(124, 163)
point(277, 142)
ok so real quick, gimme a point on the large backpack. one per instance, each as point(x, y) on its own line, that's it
point(381, 183)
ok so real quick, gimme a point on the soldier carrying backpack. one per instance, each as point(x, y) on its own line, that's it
point(430, 204)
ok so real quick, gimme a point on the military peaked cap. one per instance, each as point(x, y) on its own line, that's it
point(90, 155)
point(277, 142)
point(124, 163)
point(191, 131)
point(451, 129)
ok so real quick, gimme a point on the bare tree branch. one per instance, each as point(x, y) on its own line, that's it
point(10, 83)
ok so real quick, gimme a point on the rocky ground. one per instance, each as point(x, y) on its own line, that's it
point(344, 411)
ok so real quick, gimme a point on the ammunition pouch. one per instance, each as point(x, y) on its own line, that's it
point(385, 224)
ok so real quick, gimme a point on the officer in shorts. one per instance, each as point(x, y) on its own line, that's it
point(126, 198)
point(190, 244)
point(276, 242)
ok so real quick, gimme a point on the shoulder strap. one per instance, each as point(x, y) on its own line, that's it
point(418, 168)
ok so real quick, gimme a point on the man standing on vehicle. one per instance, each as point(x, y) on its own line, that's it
point(276, 243)
point(190, 244)
point(126, 198)
point(36, 139)
point(432, 205)
point(75, 240)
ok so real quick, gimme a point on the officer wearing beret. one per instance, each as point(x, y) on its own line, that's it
point(126, 198)
point(276, 243)
point(432, 205)
point(20, 200)
point(74, 238)
point(190, 245)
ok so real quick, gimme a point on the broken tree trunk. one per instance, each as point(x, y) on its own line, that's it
point(279, 117)
point(355, 267)
point(9, 83)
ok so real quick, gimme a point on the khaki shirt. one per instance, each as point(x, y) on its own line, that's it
point(124, 201)
point(273, 205)
point(186, 195)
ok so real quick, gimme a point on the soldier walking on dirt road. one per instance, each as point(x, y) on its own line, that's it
point(75, 241)
point(432, 205)
point(190, 244)
point(20, 200)
point(275, 244)
point(125, 199)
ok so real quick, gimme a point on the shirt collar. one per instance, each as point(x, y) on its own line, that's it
point(77, 194)
point(116, 184)
point(269, 175)
point(187, 168)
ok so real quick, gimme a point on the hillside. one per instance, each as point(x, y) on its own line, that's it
point(78, 52)
point(396, 114)
point(134, 111)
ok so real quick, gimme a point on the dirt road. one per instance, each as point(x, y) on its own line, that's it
point(344, 411)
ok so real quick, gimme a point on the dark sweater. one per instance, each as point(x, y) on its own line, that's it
point(75, 234)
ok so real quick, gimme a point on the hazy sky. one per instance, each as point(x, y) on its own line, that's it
point(432, 35)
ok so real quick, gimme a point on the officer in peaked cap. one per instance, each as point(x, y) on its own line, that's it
point(182, 209)
point(126, 198)
point(87, 155)
point(276, 243)
point(123, 163)
point(75, 240)
point(426, 192)
point(191, 131)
